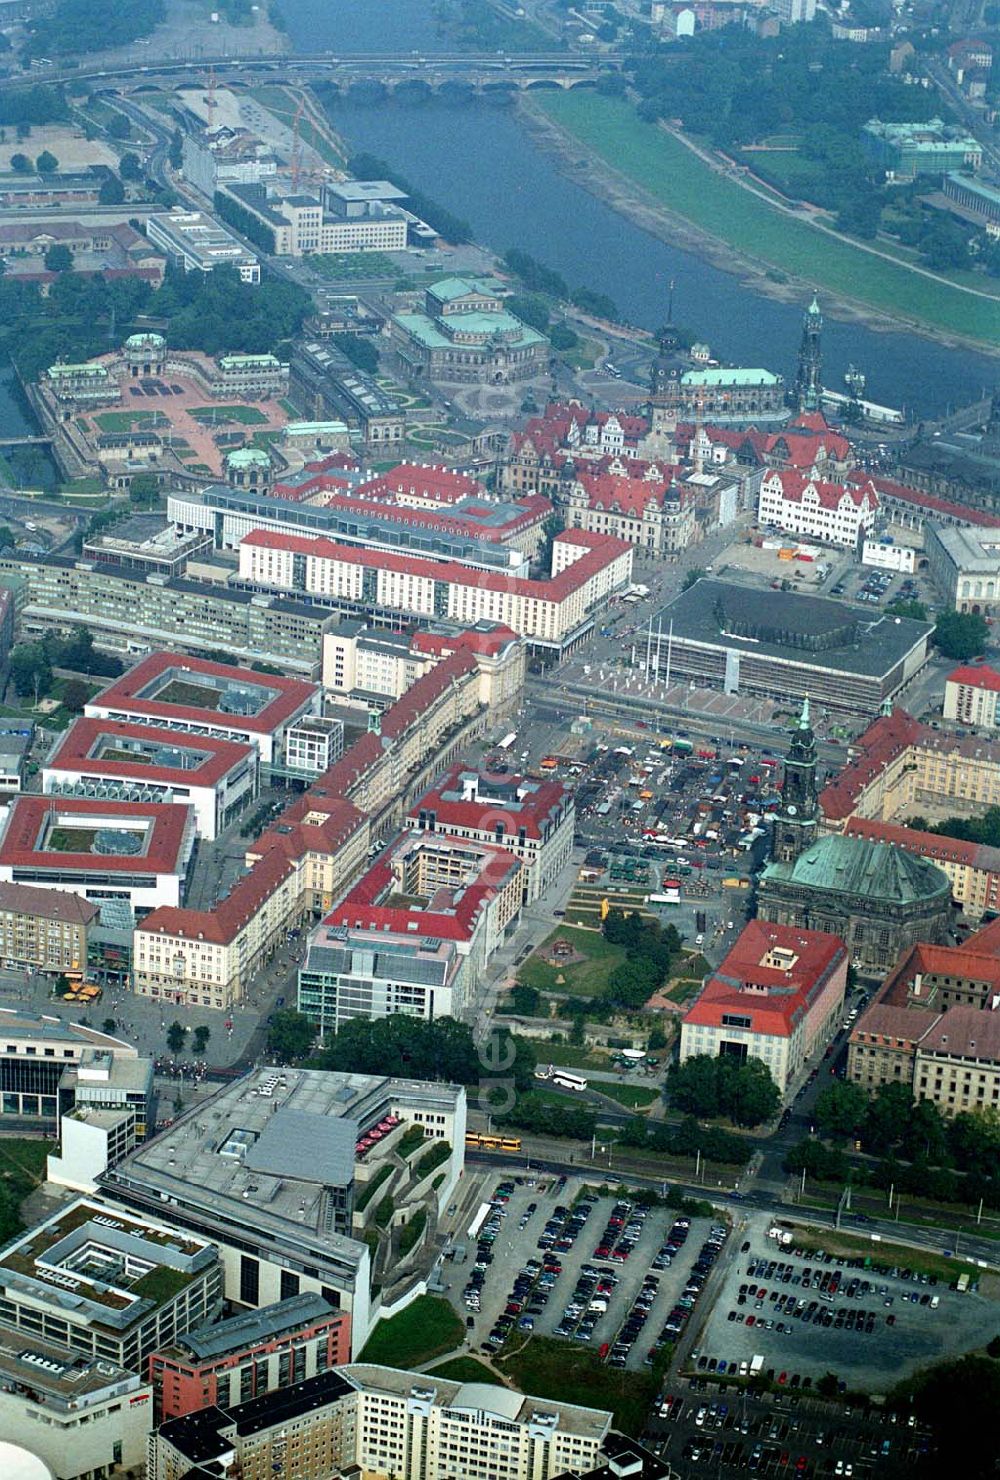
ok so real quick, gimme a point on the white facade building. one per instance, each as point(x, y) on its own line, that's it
point(834, 513)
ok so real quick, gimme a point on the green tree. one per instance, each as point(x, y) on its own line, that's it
point(20, 164)
point(531, 309)
point(59, 258)
point(176, 151)
point(840, 1110)
point(826, 1386)
point(951, 1399)
point(524, 1000)
point(753, 1097)
point(913, 609)
point(119, 127)
point(112, 191)
point(129, 167)
point(201, 1036)
point(563, 338)
point(176, 1034)
point(693, 1087)
point(692, 576)
point(360, 350)
point(108, 1026)
point(144, 489)
point(46, 163)
point(30, 669)
point(961, 635)
point(657, 1040)
point(888, 1116)
point(75, 695)
point(290, 1035)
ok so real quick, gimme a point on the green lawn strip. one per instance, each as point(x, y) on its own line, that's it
point(427, 1328)
point(547, 1368)
point(683, 989)
point(569, 1055)
point(632, 1096)
point(670, 172)
point(25, 1159)
point(464, 1369)
point(247, 416)
point(845, 1245)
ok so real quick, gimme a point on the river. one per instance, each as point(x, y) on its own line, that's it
point(480, 162)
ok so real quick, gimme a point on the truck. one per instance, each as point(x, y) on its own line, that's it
point(962, 1283)
point(756, 1363)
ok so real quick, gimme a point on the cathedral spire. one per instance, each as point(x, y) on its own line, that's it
point(804, 717)
point(809, 377)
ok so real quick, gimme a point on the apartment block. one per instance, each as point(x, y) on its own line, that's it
point(44, 929)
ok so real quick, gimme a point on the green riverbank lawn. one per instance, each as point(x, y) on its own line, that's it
point(670, 172)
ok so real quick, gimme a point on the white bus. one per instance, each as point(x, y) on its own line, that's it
point(566, 1080)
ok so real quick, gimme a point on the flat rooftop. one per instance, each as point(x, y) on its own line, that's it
point(143, 754)
point(171, 686)
point(500, 1402)
point(55, 1376)
point(78, 834)
point(105, 1267)
point(252, 1327)
point(795, 629)
point(265, 1148)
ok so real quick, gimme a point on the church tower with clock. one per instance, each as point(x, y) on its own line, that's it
point(796, 822)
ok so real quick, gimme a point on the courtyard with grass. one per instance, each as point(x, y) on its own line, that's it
point(673, 175)
point(351, 266)
point(583, 974)
point(244, 416)
point(426, 1329)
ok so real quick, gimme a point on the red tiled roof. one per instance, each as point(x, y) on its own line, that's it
point(881, 743)
point(221, 924)
point(976, 676)
point(532, 509)
point(964, 1032)
point(794, 487)
point(29, 815)
point(541, 803)
point(293, 694)
point(927, 844)
point(443, 485)
point(788, 995)
point(486, 643)
point(904, 494)
point(804, 449)
point(602, 550)
point(627, 495)
point(457, 914)
point(73, 753)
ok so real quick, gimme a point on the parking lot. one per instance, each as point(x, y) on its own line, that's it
point(536, 1267)
point(806, 1315)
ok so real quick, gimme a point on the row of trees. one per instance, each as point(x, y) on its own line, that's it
point(32, 666)
point(539, 279)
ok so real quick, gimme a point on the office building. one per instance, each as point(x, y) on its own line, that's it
point(532, 819)
point(132, 614)
point(44, 929)
point(970, 696)
point(777, 997)
point(81, 1415)
point(299, 224)
point(742, 641)
point(196, 697)
point(415, 934)
point(276, 1184)
point(248, 1355)
point(38, 1054)
point(136, 1283)
point(901, 767)
point(134, 851)
point(218, 156)
point(137, 762)
point(314, 744)
point(553, 614)
point(198, 242)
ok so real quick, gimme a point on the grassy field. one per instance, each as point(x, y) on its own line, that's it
point(124, 421)
point(424, 1330)
point(570, 1056)
point(343, 266)
point(22, 1169)
point(584, 978)
point(547, 1368)
point(672, 174)
point(464, 1369)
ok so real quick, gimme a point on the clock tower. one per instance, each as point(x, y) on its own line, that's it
point(795, 824)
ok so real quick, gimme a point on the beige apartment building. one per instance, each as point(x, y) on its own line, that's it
point(378, 1422)
point(45, 929)
point(901, 767)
